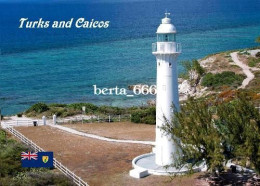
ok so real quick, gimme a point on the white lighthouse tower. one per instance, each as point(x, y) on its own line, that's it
point(166, 51)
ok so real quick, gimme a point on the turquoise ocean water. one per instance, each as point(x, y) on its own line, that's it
point(62, 66)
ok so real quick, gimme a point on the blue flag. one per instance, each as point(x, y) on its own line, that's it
point(37, 159)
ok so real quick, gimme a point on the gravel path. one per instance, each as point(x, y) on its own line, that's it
point(245, 68)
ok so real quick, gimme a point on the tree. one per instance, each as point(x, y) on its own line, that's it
point(194, 132)
point(239, 122)
point(232, 131)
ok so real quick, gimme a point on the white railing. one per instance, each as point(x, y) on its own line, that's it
point(76, 179)
point(94, 119)
point(18, 123)
point(166, 47)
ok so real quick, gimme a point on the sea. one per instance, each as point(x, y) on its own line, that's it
point(62, 65)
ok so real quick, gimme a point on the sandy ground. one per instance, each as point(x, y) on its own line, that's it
point(118, 130)
point(98, 162)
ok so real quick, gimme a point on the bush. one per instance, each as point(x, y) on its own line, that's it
point(230, 132)
point(239, 123)
point(196, 66)
point(11, 172)
point(145, 115)
point(90, 108)
point(38, 108)
point(110, 110)
point(191, 65)
point(136, 116)
point(252, 62)
point(19, 115)
point(220, 79)
point(57, 105)
point(258, 54)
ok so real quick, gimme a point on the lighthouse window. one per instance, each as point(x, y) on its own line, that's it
point(166, 38)
point(170, 65)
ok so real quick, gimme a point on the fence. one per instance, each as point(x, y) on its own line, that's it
point(20, 123)
point(76, 179)
point(95, 119)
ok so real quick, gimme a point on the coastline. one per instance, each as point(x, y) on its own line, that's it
point(211, 64)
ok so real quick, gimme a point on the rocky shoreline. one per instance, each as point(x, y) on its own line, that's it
point(217, 63)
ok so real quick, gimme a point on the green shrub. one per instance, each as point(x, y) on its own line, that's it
point(252, 62)
point(230, 132)
point(65, 110)
point(38, 108)
point(12, 173)
point(110, 110)
point(150, 119)
point(196, 66)
point(78, 106)
point(19, 115)
point(57, 105)
point(136, 116)
point(191, 65)
point(220, 79)
point(145, 115)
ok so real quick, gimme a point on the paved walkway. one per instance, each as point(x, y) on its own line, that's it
point(73, 131)
point(245, 68)
point(14, 121)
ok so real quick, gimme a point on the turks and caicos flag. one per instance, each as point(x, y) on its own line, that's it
point(37, 159)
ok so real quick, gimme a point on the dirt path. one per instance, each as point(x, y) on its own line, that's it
point(245, 68)
point(100, 163)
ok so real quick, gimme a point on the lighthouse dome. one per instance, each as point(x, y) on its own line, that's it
point(166, 27)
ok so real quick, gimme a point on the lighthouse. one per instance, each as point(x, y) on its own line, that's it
point(166, 51)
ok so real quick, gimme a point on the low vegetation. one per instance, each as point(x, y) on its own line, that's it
point(138, 114)
point(220, 79)
point(147, 115)
point(64, 110)
point(253, 62)
point(11, 172)
point(191, 66)
point(254, 84)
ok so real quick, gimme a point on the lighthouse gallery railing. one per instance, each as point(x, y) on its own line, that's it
point(166, 47)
